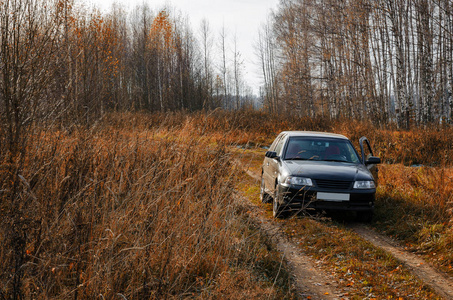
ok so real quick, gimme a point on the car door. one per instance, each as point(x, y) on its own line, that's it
point(367, 152)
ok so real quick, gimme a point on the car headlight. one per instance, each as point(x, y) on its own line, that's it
point(364, 185)
point(293, 180)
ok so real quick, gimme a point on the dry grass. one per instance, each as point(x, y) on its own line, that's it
point(415, 206)
point(360, 270)
point(141, 206)
point(430, 146)
point(135, 206)
point(363, 271)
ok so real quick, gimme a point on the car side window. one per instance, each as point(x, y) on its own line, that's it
point(367, 151)
point(279, 146)
point(274, 143)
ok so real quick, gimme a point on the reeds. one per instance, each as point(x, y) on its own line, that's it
point(126, 208)
point(414, 204)
point(142, 205)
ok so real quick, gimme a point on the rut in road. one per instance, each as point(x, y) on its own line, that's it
point(310, 280)
point(439, 281)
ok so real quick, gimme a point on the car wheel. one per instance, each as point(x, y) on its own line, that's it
point(277, 210)
point(265, 197)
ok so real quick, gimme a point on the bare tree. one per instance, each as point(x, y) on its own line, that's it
point(384, 60)
point(28, 47)
point(266, 51)
point(206, 38)
point(223, 67)
point(237, 71)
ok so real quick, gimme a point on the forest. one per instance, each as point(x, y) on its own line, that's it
point(120, 133)
point(385, 60)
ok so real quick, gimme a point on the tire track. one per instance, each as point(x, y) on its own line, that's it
point(310, 280)
point(439, 281)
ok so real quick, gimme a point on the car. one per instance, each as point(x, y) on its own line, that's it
point(321, 171)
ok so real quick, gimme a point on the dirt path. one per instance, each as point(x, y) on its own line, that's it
point(313, 282)
point(437, 280)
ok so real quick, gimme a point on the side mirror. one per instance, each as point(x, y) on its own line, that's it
point(272, 154)
point(373, 160)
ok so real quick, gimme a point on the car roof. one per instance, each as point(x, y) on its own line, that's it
point(314, 134)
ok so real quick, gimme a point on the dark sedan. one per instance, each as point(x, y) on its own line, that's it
point(320, 171)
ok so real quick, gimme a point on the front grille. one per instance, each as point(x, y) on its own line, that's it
point(333, 184)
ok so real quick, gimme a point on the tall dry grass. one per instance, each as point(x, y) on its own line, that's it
point(413, 203)
point(430, 146)
point(142, 205)
point(415, 206)
point(131, 207)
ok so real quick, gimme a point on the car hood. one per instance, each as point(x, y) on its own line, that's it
point(328, 170)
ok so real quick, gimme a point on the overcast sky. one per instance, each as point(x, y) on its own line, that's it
point(240, 17)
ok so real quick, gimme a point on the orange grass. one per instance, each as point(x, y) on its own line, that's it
point(415, 205)
point(410, 200)
point(132, 207)
point(141, 205)
point(360, 270)
point(431, 146)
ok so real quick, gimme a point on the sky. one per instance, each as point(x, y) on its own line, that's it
point(241, 18)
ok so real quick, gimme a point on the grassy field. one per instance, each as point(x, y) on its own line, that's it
point(415, 194)
point(132, 207)
point(142, 206)
point(361, 270)
point(414, 205)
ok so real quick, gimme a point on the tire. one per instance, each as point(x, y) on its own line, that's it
point(264, 197)
point(277, 209)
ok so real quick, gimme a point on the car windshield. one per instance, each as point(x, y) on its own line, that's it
point(321, 149)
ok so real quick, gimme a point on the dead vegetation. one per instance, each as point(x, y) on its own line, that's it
point(415, 206)
point(135, 210)
point(358, 268)
point(414, 202)
point(140, 205)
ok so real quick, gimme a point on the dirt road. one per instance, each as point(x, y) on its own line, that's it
point(311, 281)
point(437, 280)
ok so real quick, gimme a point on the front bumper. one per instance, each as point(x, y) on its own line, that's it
point(295, 199)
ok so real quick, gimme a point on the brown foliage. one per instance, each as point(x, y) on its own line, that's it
point(114, 210)
point(141, 205)
point(415, 205)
